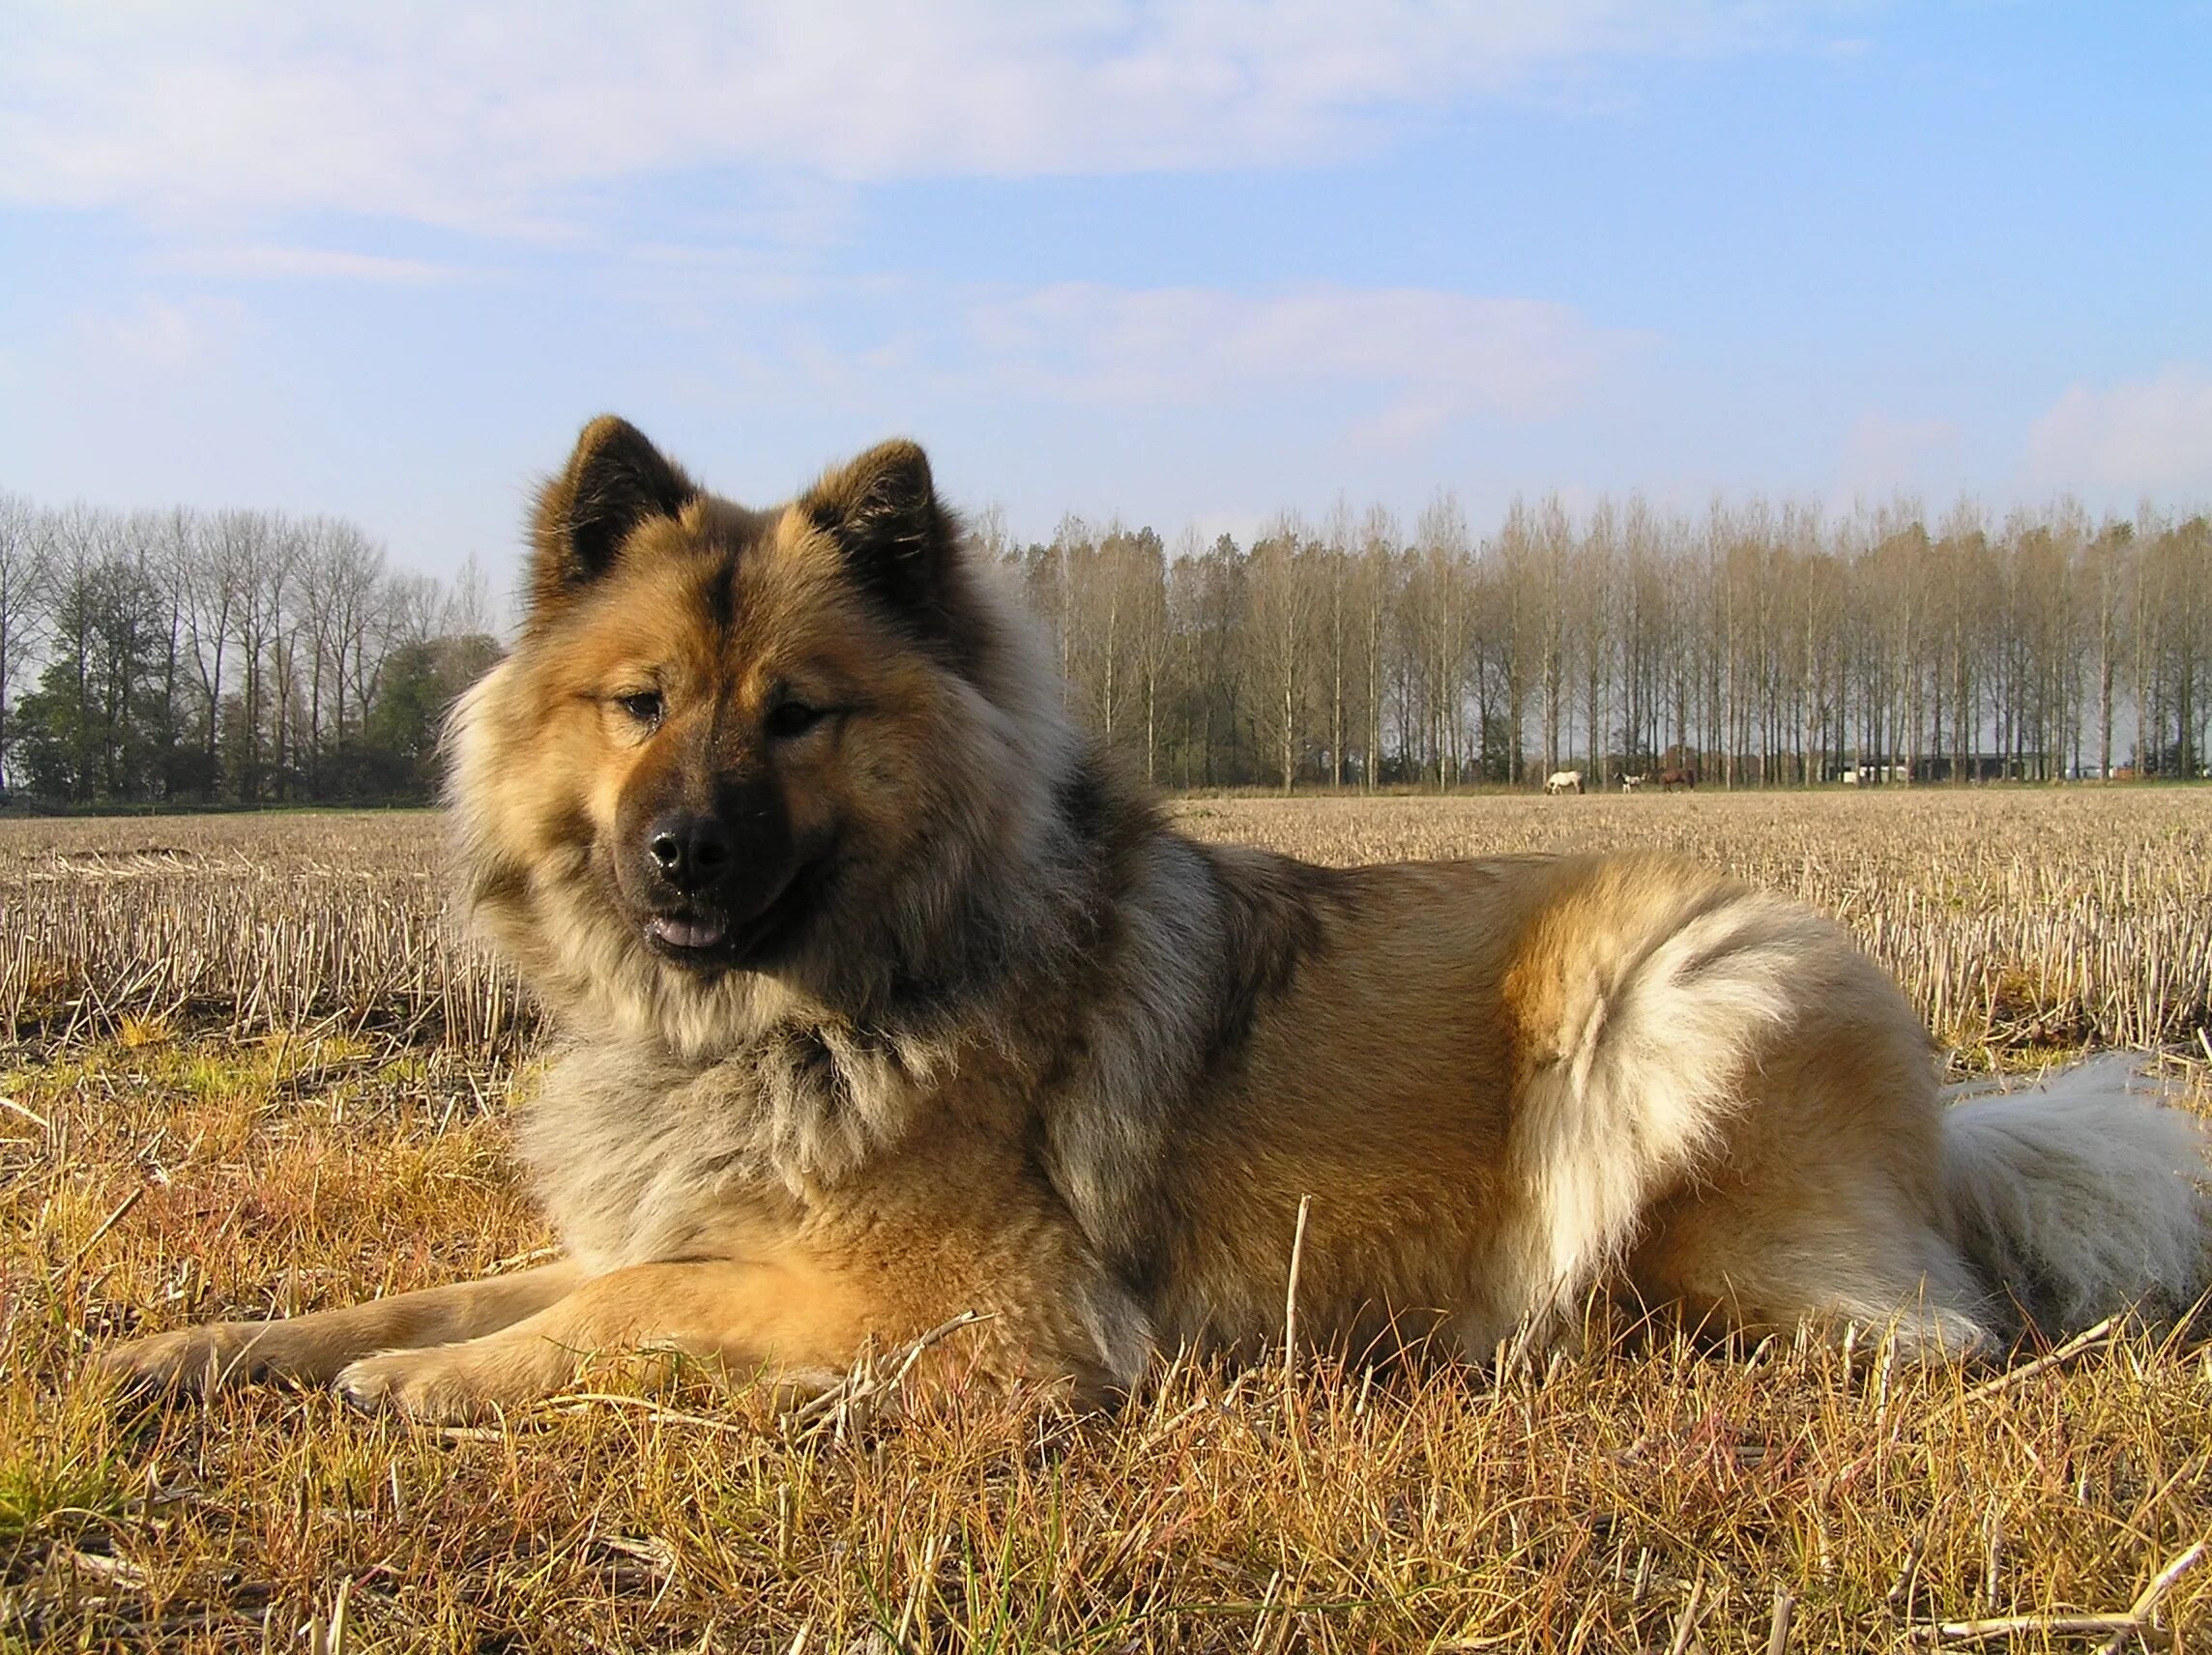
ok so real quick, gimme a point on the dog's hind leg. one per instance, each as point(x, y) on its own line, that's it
point(1830, 1256)
point(1826, 1209)
point(314, 1348)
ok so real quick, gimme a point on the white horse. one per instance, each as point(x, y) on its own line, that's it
point(1563, 781)
point(1630, 783)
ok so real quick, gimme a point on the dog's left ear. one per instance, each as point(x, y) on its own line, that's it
point(882, 512)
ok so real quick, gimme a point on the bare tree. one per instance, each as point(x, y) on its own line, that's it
point(1380, 567)
point(255, 557)
point(23, 582)
point(1140, 570)
point(1591, 593)
point(1281, 624)
point(1555, 546)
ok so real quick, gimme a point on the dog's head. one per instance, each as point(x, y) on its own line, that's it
point(737, 753)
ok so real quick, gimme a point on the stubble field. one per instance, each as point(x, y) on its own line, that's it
point(247, 1067)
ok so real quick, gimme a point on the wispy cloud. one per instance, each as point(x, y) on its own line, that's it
point(261, 261)
point(1884, 453)
point(498, 116)
point(2152, 433)
point(156, 334)
point(1429, 356)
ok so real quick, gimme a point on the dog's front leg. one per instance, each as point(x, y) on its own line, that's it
point(791, 1322)
point(313, 1348)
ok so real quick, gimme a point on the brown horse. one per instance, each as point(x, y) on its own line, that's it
point(1671, 779)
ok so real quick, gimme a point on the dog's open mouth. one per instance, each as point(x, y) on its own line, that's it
point(713, 941)
point(685, 935)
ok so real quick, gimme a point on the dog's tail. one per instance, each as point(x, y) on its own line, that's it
point(2081, 1198)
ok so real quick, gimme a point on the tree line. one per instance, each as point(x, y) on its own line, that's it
point(1755, 645)
point(182, 656)
point(243, 657)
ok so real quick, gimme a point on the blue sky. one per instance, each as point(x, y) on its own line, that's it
point(1187, 264)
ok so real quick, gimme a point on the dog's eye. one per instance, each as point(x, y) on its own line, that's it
point(645, 707)
point(792, 719)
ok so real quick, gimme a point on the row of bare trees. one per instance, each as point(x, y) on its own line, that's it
point(243, 657)
point(247, 657)
point(1756, 645)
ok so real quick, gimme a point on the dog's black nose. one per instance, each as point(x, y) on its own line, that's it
point(689, 852)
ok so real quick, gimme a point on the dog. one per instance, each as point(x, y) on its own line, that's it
point(887, 997)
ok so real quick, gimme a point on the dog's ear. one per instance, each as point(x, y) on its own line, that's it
point(615, 480)
point(898, 542)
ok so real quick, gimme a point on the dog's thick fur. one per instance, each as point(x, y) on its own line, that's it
point(975, 1031)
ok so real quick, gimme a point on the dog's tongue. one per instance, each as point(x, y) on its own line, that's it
point(688, 933)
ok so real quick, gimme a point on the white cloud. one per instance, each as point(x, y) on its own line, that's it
point(156, 334)
point(314, 263)
point(494, 116)
point(1884, 453)
point(2151, 433)
point(1429, 356)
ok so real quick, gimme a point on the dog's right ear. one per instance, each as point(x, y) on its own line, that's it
point(615, 480)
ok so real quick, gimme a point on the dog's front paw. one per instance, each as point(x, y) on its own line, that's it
point(189, 1361)
point(436, 1386)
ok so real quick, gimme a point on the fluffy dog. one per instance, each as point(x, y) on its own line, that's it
point(889, 998)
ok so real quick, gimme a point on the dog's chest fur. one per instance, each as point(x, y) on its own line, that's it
point(638, 1157)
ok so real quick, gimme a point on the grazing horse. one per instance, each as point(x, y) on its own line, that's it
point(1671, 779)
point(1630, 783)
point(1563, 781)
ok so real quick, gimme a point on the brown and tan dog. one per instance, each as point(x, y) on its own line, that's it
point(889, 999)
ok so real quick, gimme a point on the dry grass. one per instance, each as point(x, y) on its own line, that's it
point(2020, 921)
point(245, 925)
point(266, 1079)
